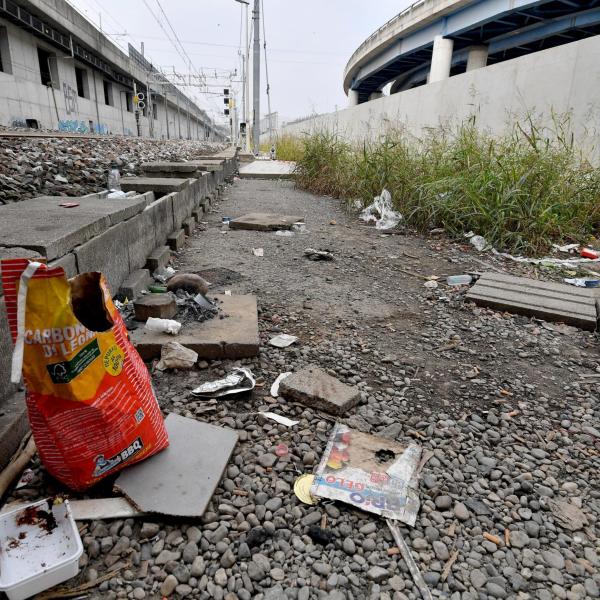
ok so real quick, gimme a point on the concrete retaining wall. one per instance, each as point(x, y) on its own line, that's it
point(111, 236)
point(560, 80)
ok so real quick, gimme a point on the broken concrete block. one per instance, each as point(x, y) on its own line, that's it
point(189, 225)
point(197, 214)
point(159, 258)
point(135, 283)
point(176, 240)
point(315, 388)
point(160, 306)
point(264, 221)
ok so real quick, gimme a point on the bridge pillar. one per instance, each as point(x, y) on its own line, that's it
point(477, 57)
point(441, 59)
point(352, 97)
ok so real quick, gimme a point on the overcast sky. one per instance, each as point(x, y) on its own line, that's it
point(308, 42)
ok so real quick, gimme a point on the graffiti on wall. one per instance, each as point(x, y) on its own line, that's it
point(75, 126)
point(70, 98)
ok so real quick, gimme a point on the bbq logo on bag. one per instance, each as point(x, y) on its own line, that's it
point(90, 400)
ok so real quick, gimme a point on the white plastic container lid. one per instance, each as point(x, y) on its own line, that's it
point(40, 547)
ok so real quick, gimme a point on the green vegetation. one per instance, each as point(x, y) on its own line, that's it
point(522, 191)
point(288, 147)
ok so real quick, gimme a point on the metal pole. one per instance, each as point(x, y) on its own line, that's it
point(247, 81)
point(256, 79)
point(166, 110)
point(137, 112)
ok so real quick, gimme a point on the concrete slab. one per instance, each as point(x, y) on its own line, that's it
point(264, 221)
point(235, 336)
point(180, 480)
point(68, 263)
point(159, 258)
point(542, 299)
point(13, 425)
point(268, 169)
point(176, 240)
point(169, 167)
point(315, 388)
point(43, 225)
point(135, 283)
point(158, 185)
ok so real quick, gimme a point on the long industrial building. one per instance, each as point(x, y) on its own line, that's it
point(58, 71)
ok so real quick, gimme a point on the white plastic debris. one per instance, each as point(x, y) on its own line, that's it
point(164, 274)
point(175, 356)
point(227, 292)
point(563, 262)
point(116, 195)
point(381, 212)
point(283, 340)
point(431, 284)
point(279, 419)
point(258, 251)
point(566, 248)
point(284, 233)
point(582, 282)
point(275, 385)
point(299, 227)
point(479, 243)
point(316, 255)
point(239, 380)
point(163, 325)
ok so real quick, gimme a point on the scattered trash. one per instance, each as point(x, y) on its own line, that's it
point(566, 248)
point(113, 182)
point(459, 280)
point(163, 325)
point(431, 284)
point(284, 233)
point(226, 220)
point(188, 282)
point(181, 480)
point(227, 292)
point(381, 212)
point(101, 509)
point(279, 419)
point(163, 274)
point(568, 516)
point(239, 380)
point(589, 253)
point(409, 560)
point(26, 478)
point(322, 536)
point(282, 450)
point(370, 473)
point(116, 195)
point(157, 289)
point(194, 308)
point(299, 227)
point(69, 204)
point(479, 243)
point(559, 262)
point(175, 356)
point(258, 251)
point(302, 487)
point(79, 371)
point(448, 566)
point(283, 340)
point(275, 386)
point(313, 254)
point(41, 547)
point(583, 282)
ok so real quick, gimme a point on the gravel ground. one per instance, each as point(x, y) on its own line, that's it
point(71, 166)
point(508, 405)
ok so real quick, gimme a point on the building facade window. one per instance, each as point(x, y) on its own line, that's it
point(5, 62)
point(108, 93)
point(48, 71)
point(83, 90)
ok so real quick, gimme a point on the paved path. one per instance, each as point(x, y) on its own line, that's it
point(268, 169)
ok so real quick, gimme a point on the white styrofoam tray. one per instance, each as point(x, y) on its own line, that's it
point(33, 555)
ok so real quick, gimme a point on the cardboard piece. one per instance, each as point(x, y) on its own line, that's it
point(370, 473)
point(180, 480)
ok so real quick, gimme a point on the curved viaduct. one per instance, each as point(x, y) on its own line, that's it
point(435, 39)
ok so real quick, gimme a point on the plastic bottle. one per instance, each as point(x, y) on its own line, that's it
point(114, 179)
point(589, 253)
point(459, 280)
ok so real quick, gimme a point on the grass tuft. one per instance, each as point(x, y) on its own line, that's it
point(522, 191)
